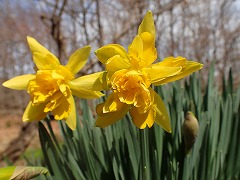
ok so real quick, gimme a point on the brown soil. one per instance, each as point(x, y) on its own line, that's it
point(10, 126)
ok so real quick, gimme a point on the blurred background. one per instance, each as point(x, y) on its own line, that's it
point(205, 31)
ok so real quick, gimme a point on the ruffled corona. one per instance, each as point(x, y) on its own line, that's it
point(132, 88)
point(55, 92)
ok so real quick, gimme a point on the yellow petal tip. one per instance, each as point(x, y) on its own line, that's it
point(4, 84)
point(169, 131)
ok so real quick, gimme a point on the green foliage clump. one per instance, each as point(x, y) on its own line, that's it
point(122, 151)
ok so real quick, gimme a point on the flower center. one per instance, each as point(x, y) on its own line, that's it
point(51, 87)
point(132, 88)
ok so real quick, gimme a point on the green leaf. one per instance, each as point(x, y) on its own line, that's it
point(6, 173)
point(21, 172)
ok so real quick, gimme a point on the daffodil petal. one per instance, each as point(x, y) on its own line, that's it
point(142, 120)
point(71, 120)
point(78, 59)
point(161, 113)
point(62, 108)
point(19, 82)
point(36, 47)
point(85, 94)
point(116, 63)
point(173, 62)
point(45, 61)
point(190, 67)
point(149, 50)
point(34, 113)
point(135, 49)
point(112, 103)
point(158, 72)
point(106, 119)
point(83, 87)
point(108, 51)
point(142, 49)
point(91, 82)
point(147, 25)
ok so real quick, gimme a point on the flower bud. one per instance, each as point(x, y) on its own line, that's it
point(190, 130)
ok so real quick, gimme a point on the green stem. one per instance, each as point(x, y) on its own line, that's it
point(52, 133)
point(145, 165)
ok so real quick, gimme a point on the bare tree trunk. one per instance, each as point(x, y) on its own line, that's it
point(172, 48)
point(100, 32)
point(162, 9)
point(54, 23)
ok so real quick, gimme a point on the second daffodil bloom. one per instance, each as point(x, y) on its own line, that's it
point(130, 74)
point(53, 85)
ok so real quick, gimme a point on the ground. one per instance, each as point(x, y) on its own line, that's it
point(10, 126)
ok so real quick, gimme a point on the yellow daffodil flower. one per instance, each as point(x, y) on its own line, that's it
point(130, 75)
point(53, 85)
